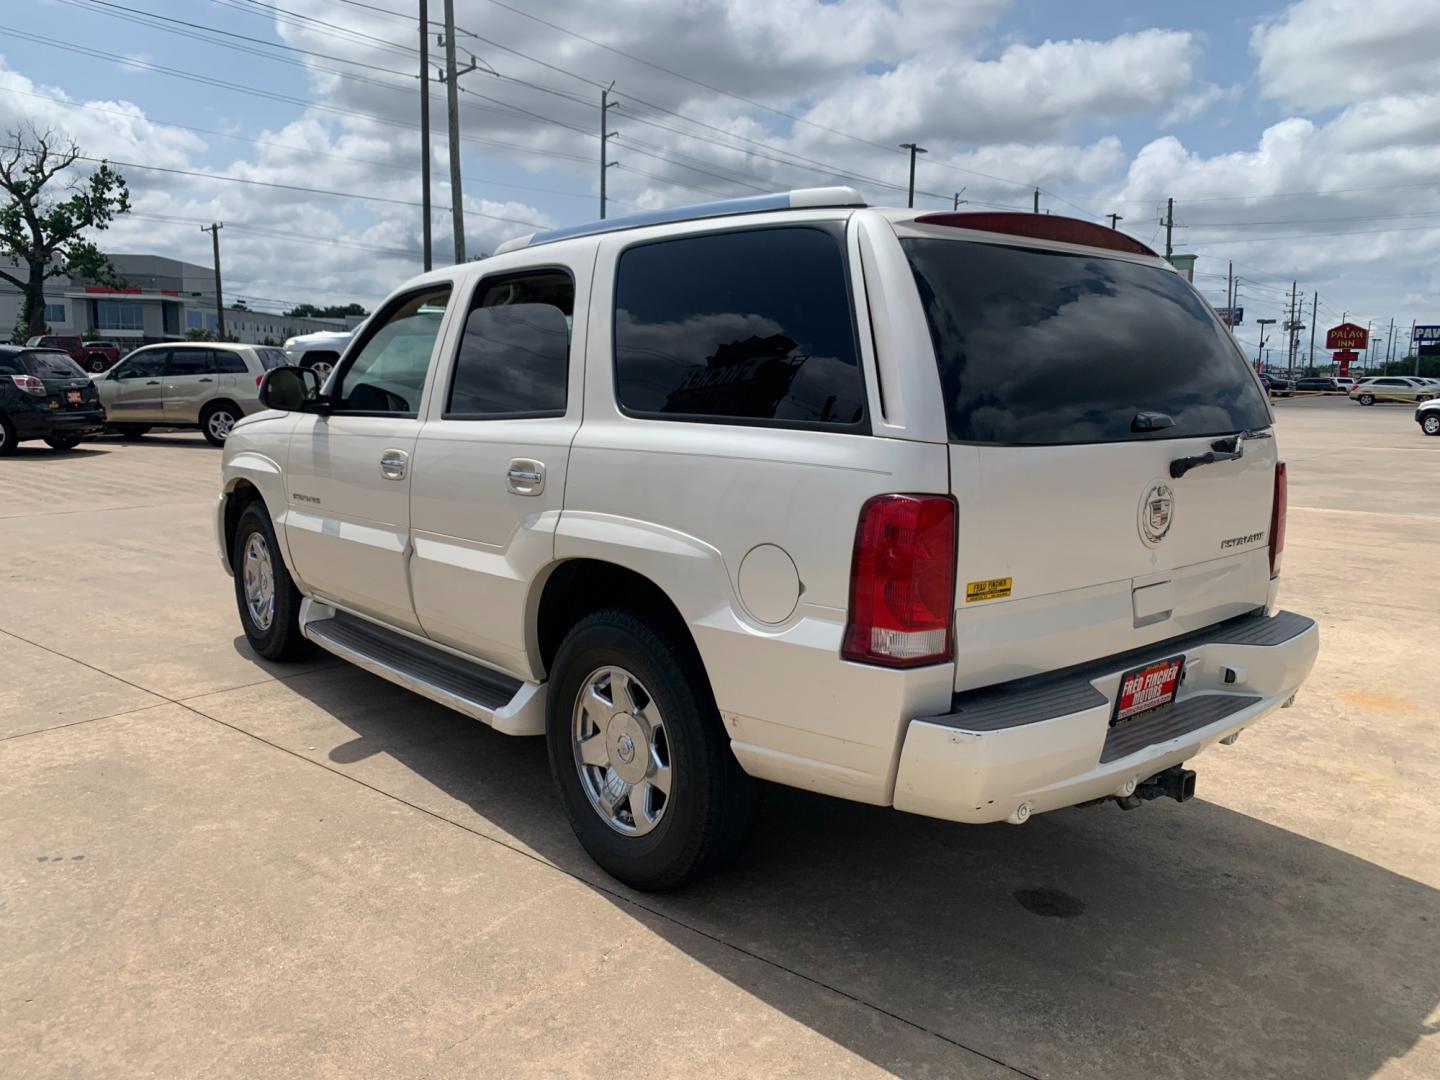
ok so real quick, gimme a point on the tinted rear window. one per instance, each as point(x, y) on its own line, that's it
point(1043, 348)
point(52, 365)
point(272, 358)
point(749, 327)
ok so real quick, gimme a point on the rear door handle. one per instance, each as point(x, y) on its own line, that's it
point(526, 476)
point(393, 463)
point(206, 379)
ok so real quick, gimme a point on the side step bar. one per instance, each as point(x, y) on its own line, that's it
point(492, 697)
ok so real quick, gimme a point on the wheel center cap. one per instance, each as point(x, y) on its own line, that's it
point(625, 748)
point(625, 740)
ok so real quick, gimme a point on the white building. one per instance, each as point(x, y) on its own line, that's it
point(162, 299)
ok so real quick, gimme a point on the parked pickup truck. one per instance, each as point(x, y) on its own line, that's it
point(975, 515)
point(93, 356)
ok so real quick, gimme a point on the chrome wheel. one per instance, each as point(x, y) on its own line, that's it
point(1431, 425)
point(219, 424)
point(258, 575)
point(621, 751)
point(323, 369)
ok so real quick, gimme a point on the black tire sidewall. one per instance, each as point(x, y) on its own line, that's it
point(283, 639)
point(1431, 421)
point(7, 437)
point(57, 442)
point(676, 849)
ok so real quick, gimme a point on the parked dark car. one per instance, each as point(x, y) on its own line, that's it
point(1277, 385)
point(1318, 382)
point(45, 395)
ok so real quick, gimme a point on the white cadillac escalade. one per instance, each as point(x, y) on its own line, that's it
point(972, 515)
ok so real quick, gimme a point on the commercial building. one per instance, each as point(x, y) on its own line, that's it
point(162, 299)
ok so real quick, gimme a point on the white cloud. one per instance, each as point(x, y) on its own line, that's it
point(1322, 53)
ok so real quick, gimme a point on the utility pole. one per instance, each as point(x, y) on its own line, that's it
point(1262, 323)
point(452, 107)
point(1369, 344)
point(913, 151)
point(1292, 328)
point(1037, 200)
point(214, 230)
point(1113, 219)
point(1388, 344)
point(959, 200)
point(425, 132)
point(1169, 227)
point(605, 136)
point(1230, 294)
point(1314, 318)
point(1415, 347)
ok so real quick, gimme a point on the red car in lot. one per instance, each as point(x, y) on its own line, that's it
point(93, 356)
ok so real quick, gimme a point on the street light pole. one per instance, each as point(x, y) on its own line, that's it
point(914, 149)
point(425, 132)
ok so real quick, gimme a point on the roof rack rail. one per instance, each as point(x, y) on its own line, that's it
point(800, 198)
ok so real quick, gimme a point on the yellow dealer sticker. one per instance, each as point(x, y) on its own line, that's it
point(990, 589)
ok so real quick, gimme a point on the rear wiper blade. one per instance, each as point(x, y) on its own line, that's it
point(1151, 421)
point(1231, 449)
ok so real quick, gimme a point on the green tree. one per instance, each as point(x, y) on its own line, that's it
point(197, 333)
point(42, 230)
point(334, 311)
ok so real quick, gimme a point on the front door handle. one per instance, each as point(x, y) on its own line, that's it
point(206, 379)
point(392, 464)
point(153, 382)
point(526, 476)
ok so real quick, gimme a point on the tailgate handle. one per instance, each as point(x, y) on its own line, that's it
point(1231, 449)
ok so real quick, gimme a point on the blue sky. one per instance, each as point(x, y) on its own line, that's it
point(1242, 114)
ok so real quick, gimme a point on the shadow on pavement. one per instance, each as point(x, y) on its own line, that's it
point(1174, 941)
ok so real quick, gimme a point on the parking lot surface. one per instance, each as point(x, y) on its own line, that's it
point(218, 866)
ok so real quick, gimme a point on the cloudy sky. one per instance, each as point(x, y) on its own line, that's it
point(1301, 143)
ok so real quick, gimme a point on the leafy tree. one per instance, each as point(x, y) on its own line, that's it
point(198, 333)
point(334, 311)
point(43, 233)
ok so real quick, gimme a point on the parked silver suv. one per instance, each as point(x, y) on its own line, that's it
point(208, 386)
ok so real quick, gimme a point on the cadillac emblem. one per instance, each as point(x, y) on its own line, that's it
point(1157, 512)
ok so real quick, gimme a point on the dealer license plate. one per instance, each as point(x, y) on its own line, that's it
point(72, 396)
point(1150, 687)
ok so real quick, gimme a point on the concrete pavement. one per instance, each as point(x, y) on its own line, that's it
point(218, 867)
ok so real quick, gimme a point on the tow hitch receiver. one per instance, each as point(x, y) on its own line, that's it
point(1176, 782)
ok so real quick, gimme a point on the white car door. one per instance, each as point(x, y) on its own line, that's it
point(347, 520)
point(490, 462)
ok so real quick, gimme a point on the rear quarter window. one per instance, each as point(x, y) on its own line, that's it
point(749, 326)
point(1040, 347)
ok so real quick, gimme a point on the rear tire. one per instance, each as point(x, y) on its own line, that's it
point(62, 442)
point(265, 594)
point(697, 803)
point(132, 432)
point(7, 437)
point(217, 420)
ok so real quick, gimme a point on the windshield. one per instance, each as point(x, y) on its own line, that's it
point(1039, 347)
point(52, 365)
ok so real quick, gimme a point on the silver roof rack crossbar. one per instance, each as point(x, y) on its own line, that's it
point(801, 198)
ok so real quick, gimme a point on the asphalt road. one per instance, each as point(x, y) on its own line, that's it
point(215, 866)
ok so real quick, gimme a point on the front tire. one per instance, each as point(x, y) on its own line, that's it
point(96, 364)
point(62, 442)
point(268, 601)
point(131, 432)
point(1430, 425)
point(1366, 399)
point(640, 756)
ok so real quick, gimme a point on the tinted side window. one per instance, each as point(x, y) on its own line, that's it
point(189, 362)
point(387, 373)
point(226, 362)
point(147, 365)
point(751, 326)
point(514, 357)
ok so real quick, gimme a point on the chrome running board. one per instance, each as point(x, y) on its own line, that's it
point(492, 697)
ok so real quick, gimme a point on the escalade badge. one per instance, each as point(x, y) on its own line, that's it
point(1157, 512)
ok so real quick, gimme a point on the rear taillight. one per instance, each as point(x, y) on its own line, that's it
point(1277, 518)
point(30, 384)
point(902, 582)
point(259, 379)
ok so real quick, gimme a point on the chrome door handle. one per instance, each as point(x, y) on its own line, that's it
point(526, 476)
point(392, 464)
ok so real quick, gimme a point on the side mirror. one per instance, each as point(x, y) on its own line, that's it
point(290, 389)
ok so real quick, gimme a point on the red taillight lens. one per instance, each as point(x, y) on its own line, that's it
point(30, 384)
point(259, 379)
point(902, 582)
point(1277, 518)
